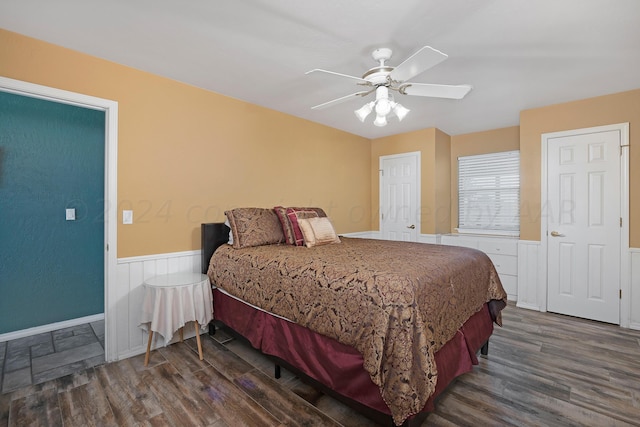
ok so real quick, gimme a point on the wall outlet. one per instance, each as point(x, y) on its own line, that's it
point(127, 217)
point(70, 214)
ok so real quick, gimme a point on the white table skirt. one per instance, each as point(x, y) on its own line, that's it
point(172, 300)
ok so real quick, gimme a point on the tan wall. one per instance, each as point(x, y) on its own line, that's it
point(491, 141)
point(604, 110)
point(186, 154)
point(433, 146)
point(442, 178)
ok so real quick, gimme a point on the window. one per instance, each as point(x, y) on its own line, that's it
point(489, 193)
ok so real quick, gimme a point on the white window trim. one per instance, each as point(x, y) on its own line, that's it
point(491, 157)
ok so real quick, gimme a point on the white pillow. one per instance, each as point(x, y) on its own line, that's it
point(317, 231)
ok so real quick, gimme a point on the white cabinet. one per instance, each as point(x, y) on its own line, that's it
point(503, 251)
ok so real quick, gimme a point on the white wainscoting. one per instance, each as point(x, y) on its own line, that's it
point(532, 284)
point(634, 322)
point(130, 340)
point(529, 276)
point(429, 238)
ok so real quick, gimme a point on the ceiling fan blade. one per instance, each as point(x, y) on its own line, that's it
point(340, 100)
point(319, 70)
point(417, 63)
point(435, 90)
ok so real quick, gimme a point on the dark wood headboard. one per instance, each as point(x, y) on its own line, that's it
point(212, 235)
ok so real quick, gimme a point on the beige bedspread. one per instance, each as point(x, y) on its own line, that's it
point(396, 302)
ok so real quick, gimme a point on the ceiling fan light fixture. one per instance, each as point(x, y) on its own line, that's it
point(364, 111)
point(380, 121)
point(400, 111)
point(385, 79)
point(383, 107)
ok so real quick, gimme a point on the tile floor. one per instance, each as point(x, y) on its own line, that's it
point(50, 355)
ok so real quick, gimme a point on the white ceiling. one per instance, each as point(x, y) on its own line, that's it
point(517, 54)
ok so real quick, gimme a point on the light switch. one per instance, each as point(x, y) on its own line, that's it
point(70, 214)
point(127, 217)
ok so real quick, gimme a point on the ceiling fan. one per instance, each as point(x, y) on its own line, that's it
point(385, 79)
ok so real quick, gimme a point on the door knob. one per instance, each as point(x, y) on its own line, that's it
point(411, 226)
point(556, 234)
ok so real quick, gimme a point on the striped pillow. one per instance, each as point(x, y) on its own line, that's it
point(290, 228)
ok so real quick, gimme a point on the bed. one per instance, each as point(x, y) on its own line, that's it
point(384, 326)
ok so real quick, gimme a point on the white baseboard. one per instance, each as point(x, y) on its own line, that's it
point(534, 307)
point(50, 327)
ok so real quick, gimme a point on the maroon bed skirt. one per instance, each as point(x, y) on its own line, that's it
point(338, 366)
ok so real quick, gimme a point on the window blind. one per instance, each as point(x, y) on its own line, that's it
point(489, 193)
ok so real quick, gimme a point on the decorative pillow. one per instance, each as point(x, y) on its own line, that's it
point(254, 227)
point(294, 217)
point(226, 222)
point(318, 231)
point(281, 212)
point(288, 228)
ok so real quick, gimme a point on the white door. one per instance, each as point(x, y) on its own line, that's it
point(400, 197)
point(583, 225)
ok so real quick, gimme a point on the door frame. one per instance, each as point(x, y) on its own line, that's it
point(625, 285)
point(110, 109)
point(418, 189)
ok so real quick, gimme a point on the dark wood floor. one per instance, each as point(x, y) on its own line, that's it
point(542, 369)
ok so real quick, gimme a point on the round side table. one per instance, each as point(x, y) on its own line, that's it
point(172, 300)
